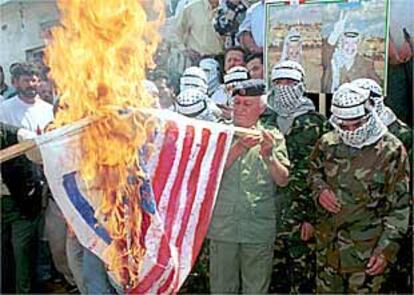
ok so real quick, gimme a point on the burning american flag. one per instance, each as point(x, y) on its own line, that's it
point(178, 190)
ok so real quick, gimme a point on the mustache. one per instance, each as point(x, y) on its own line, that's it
point(30, 91)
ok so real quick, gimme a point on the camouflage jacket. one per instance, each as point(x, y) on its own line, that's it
point(245, 210)
point(403, 132)
point(372, 186)
point(297, 205)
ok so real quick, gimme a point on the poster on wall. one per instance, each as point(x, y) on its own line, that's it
point(335, 41)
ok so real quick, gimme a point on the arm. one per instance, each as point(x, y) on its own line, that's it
point(247, 42)
point(236, 150)
point(274, 153)
point(279, 172)
point(302, 139)
point(395, 222)
point(181, 27)
point(245, 37)
point(316, 177)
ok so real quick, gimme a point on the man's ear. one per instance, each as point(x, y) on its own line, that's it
point(263, 103)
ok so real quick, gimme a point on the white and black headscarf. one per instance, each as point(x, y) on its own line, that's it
point(386, 115)
point(289, 101)
point(352, 103)
point(195, 104)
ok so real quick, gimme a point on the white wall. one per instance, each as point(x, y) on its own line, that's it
point(20, 28)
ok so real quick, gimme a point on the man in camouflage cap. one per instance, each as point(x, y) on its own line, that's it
point(302, 126)
point(360, 177)
point(242, 229)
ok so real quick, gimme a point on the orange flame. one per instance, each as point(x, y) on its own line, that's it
point(98, 59)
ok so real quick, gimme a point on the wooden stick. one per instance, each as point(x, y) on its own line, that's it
point(77, 127)
point(26, 145)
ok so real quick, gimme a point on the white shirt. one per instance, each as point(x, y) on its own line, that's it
point(254, 22)
point(16, 112)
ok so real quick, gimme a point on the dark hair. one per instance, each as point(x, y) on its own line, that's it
point(253, 56)
point(235, 48)
point(24, 70)
point(1, 69)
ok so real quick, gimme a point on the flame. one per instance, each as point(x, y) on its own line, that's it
point(98, 57)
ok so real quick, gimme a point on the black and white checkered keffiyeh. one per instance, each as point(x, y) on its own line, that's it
point(195, 104)
point(386, 115)
point(352, 103)
point(288, 99)
point(368, 133)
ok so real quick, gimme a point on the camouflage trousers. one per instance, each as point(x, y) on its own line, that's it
point(330, 281)
point(294, 268)
point(400, 277)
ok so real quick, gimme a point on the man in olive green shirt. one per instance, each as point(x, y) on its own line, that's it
point(243, 228)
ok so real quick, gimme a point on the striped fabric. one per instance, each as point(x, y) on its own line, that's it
point(184, 176)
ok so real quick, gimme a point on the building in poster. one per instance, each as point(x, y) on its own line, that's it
point(335, 41)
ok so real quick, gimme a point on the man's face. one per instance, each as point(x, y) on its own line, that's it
point(26, 85)
point(165, 94)
point(350, 46)
point(45, 91)
point(214, 3)
point(247, 110)
point(284, 82)
point(294, 52)
point(255, 68)
point(352, 125)
point(233, 58)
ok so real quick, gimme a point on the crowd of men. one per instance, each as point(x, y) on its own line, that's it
point(307, 204)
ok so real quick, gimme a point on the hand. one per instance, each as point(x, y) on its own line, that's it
point(249, 141)
point(193, 55)
point(329, 202)
point(256, 49)
point(306, 231)
point(25, 134)
point(376, 265)
point(393, 52)
point(339, 28)
point(405, 53)
point(33, 154)
point(266, 144)
point(226, 112)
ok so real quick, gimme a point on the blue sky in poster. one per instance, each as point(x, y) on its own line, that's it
point(368, 18)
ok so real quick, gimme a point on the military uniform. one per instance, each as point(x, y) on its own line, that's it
point(401, 274)
point(243, 226)
point(403, 132)
point(371, 184)
point(294, 259)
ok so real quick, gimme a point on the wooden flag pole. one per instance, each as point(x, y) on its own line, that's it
point(77, 127)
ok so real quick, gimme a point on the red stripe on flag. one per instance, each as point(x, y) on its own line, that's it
point(192, 187)
point(167, 283)
point(175, 191)
point(145, 224)
point(157, 271)
point(165, 160)
point(192, 190)
point(206, 207)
